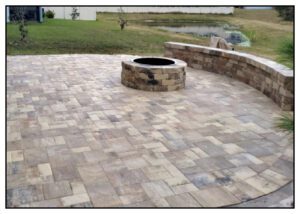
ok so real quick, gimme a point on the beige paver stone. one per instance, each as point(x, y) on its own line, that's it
point(199, 152)
point(157, 189)
point(192, 155)
point(106, 201)
point(81, 149)
point(160, 202)
point(34, 176)
point(184, 188)
point(242, 173)
point(78, 187)
point(17, 180)
point(261, 184)
point(256, 128)
point(14, 136)
point(231, 148)
point(133, 131)
point(75, 199)
point(175, 181)
point(182, 200)
point(113, 165)
point(14, 156)
point(91, 173)
point(214, 140)
point(47, 141)
point(135, 163)
point(134, 198)
point(156, 173)
point(46, 203)
point(214, 197)
point(242, 159)
point(243, 191)
point(45, 169)
point(275, 177)
point(59, 140)
point(252, 158)
point(126, 177)
point(153, 145)
point(155, 161)
point(131, 194)
point(65, 173)
point(57, 190)
point(174, 171)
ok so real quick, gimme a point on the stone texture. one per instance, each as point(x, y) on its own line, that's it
point(115, 146)
point(157, 189)
point(261, 184)
point(214, 197)
point(23, 195)
point(56, 190)
point(182, 200)
point(14, 156)
point(272, 79)
point(75, 199)
point(154, 77)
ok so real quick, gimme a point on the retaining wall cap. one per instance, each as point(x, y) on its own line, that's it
point(285, 71)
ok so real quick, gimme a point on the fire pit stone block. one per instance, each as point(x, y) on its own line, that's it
point(154, 74)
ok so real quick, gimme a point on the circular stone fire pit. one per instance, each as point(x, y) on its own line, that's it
point(154, 74)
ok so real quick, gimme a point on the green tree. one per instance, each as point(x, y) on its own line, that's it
point(286, 12)
point(75, 14)
point(19, 17)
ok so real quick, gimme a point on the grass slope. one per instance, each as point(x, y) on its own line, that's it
point(264, 27)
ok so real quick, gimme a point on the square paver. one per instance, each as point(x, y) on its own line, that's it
point(24, 195)
point(65, 173)
point(157, 189)
point(126, 177)
point(182, 200)
point(214, 197)
point(57, 190)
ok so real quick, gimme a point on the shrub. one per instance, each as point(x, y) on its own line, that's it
point(251, 34)
point(50, 14)
point(75, 14)
point(285, 122)
point(122, 18)
point(286, 12)
point(285, 50)
point(19, 18)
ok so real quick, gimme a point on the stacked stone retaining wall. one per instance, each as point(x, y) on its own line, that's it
point(272, 79)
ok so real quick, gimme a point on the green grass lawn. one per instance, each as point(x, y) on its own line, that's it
point(104, 36)
point(66, 36)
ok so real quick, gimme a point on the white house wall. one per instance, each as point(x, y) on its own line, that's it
point(85, 13)
point(59, 11)
point(214, 10)
point(89, 13)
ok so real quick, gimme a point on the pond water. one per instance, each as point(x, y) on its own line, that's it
point(228, 32)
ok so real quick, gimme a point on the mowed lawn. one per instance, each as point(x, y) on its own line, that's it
point(265, 29)
point(56, 36)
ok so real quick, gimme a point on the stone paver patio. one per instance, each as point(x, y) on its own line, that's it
point(77, 137)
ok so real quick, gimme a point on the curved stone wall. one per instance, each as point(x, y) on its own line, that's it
point(274, 80)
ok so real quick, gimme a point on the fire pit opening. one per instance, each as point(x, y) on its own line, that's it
point(154, 61)
point(154, 74)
